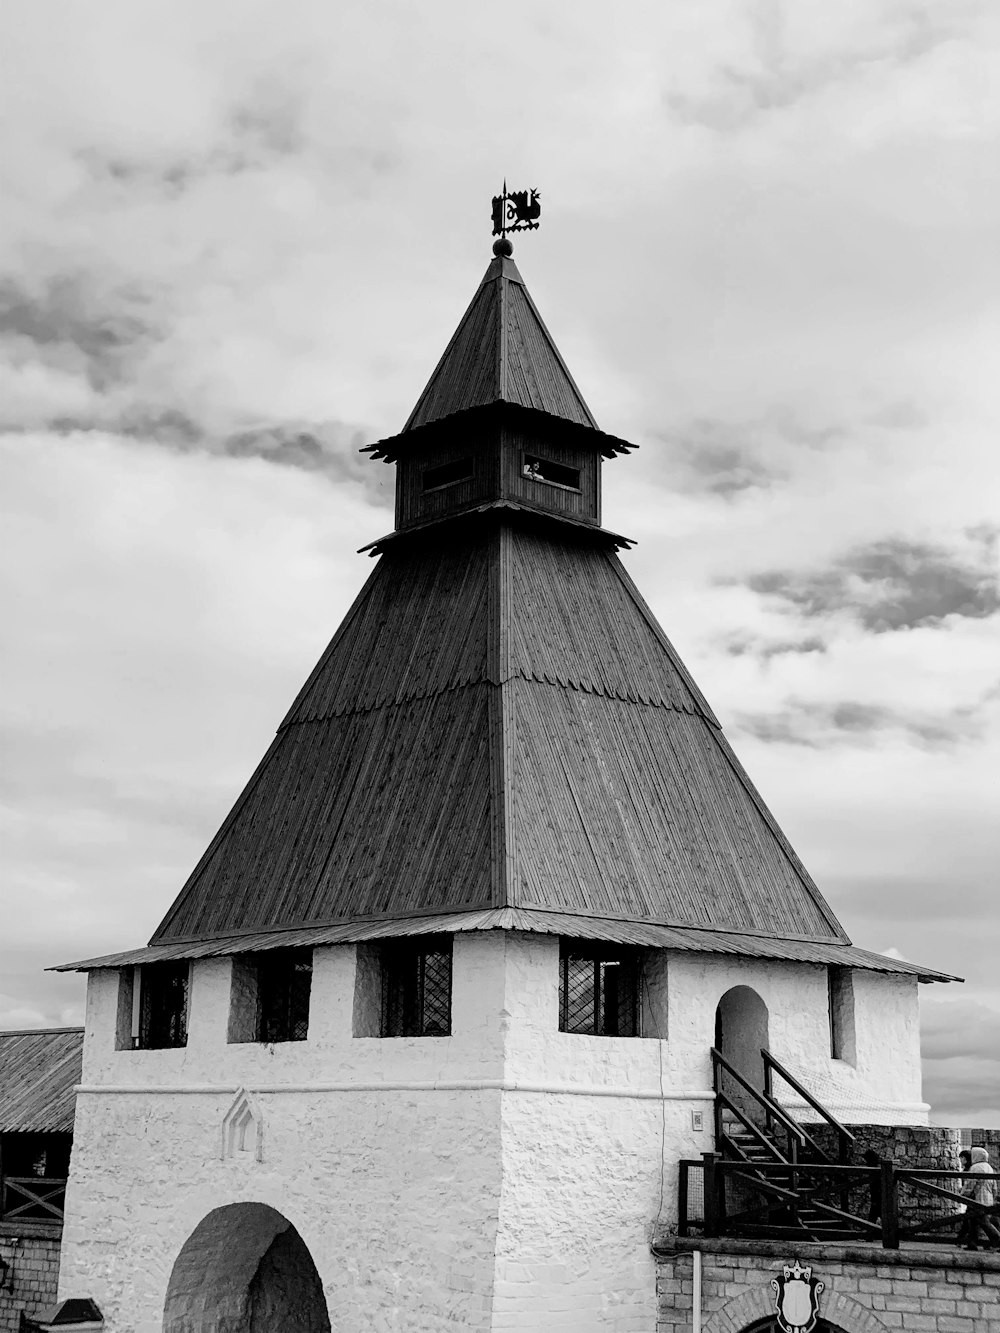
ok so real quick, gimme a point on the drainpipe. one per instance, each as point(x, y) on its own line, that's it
point(696, 1291)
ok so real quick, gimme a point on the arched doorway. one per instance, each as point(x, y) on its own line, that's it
point(740, 1033)
point(245, 1269)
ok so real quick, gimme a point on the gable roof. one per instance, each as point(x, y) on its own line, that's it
point(39, 1071)
point(499, 722)
point(501, 352)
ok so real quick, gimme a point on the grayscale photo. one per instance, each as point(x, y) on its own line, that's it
point(500, 642)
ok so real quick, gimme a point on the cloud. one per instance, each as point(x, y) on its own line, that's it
point(960, 1043)
point(741, 645)
point(330, 448)
point(236, 240)
point(852, 722)
point(894, 584)
point(720, 459)
point(953, 1028)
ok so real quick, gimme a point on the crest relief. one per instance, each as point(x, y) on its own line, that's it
point(796, 1298)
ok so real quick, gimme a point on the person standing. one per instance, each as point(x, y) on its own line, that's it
point(981, 1191)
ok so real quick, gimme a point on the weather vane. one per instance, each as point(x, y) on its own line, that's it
point(514, 210)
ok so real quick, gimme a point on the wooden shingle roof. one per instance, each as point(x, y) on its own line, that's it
point(39, 1071)
point(499, 722)
point(501, 352)
point(500, 736)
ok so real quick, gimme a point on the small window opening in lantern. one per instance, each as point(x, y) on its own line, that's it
point(446, 474)
point(545, 470)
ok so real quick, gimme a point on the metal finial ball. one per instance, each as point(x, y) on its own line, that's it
point(502, 248)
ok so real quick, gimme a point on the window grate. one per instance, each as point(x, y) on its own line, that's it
point(163, 1022)
point(598, 990)
point(416, 988)
point(284, 984)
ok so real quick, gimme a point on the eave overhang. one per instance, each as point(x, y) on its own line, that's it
point(513, 510)
point(394, 447)
point(642, 934)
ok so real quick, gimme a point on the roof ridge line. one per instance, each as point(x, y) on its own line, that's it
point(808, 883)
point(703, 706)
point(558, 355)
point(447, 351)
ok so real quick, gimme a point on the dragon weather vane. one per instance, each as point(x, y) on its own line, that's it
point(515, 210)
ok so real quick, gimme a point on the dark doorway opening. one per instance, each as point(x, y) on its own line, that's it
point(245, 1269)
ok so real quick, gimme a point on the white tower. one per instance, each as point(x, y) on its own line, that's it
point(422, 1039)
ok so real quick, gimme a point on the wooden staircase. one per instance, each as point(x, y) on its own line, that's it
point(776, 1194)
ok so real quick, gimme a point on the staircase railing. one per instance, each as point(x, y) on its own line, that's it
point(797, 1136)
point(887, 1204)
point(844, 1136)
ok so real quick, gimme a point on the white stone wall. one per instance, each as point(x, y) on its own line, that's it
point(505, 1177)
point(883, 1086)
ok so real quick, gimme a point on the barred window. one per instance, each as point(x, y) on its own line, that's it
point(163, 990)
point(284, 984)
point(269, 996)
point(598, 989)
point(416, 987)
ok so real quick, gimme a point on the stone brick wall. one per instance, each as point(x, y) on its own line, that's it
point(984, 1138)
point(930, 1147)
point(34, 1272)
point(866, 1289)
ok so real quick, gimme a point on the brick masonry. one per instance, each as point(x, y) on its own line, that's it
point(33, 1255)
point(928, 1146)
point(867, 1289)
point(925, 1147)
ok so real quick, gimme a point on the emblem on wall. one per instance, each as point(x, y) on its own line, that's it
point(796, 1298)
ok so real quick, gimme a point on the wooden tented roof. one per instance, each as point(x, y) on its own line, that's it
point(39, 1071)
point(501, 352)
point(500, 736)
point(499, 722)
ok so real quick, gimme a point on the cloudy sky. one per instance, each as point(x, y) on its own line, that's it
point(237, 235)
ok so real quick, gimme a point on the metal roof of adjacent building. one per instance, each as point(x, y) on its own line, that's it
point(39, 1071)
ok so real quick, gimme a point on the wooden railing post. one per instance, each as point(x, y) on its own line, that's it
point(717, 1104)
point(712, 1184)
point(682, 1199)
point(890, 1205)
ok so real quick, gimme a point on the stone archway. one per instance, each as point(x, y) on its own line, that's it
point(245, 1269)
point(753, 1312)
point(741, 1030)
